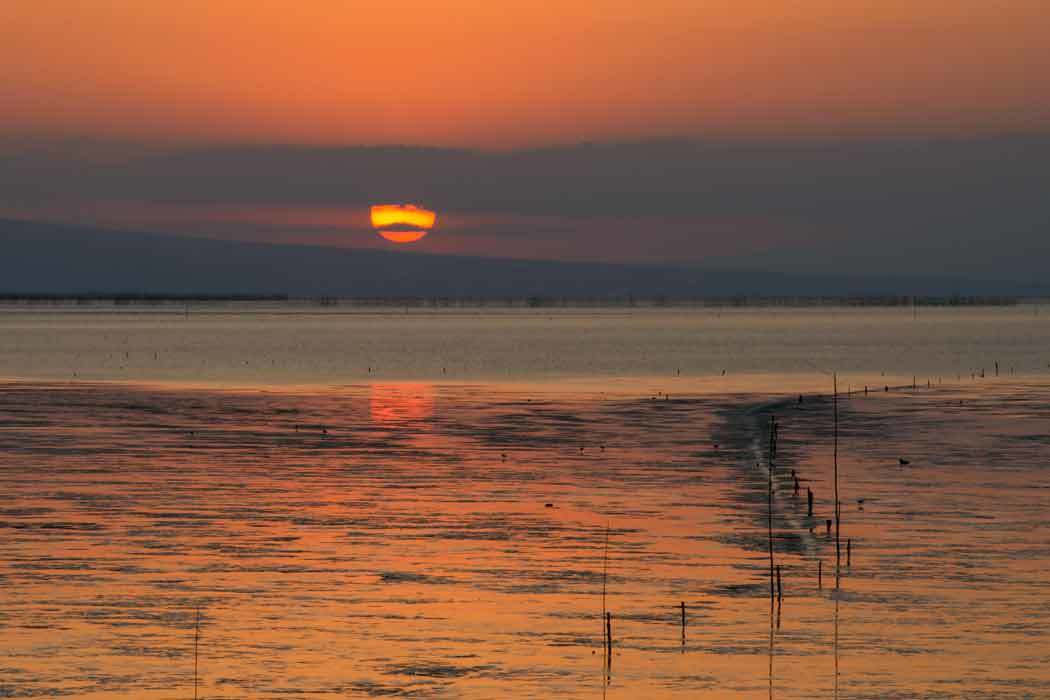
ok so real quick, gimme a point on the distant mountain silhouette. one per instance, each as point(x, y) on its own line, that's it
point(40, 258)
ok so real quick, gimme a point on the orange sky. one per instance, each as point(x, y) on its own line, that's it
point(519, 72)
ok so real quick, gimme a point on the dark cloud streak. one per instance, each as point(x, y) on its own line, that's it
point(960, 202)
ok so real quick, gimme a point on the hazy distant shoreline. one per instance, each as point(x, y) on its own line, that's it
point(136, 299)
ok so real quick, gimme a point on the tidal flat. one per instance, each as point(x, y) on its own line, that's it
point(451, 537)
point(422, 540)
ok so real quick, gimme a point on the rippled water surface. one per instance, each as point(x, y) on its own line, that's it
point(452, 539)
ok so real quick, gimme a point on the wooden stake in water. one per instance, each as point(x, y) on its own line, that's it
point(196, 646)
point(820, 574)
point(605, 576)
point(835, 460)
point(608, 638)
point(849, 552)
point(769, 499)
point(683, 625)
point(773, 437)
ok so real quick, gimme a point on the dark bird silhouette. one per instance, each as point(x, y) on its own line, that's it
point(903, 461)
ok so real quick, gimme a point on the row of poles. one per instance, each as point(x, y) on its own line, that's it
point(776, 582)
point(776, 587)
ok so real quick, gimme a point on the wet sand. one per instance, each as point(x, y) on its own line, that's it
point(393, 540)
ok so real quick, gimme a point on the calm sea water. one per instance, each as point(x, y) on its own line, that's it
point(283, 344)
point(431, 504)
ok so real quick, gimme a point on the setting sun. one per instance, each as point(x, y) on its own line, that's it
point(402, 223)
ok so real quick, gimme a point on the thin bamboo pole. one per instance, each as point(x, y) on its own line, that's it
point(769, 503)
point(605, 577)
point(196, 647)
point(835, 458)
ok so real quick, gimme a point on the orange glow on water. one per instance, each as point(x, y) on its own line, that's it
point(399, 403)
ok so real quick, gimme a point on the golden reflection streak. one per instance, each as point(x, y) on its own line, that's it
point(399, 403)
